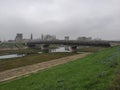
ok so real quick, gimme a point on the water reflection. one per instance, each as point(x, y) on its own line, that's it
point(60, 49)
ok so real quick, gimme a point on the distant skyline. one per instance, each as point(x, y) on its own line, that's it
point(74, 18)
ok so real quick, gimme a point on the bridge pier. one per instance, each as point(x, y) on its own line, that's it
point(67, 47)
point(45, 48)
point(73, 49)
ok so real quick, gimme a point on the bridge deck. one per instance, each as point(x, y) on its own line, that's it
point(71, 42)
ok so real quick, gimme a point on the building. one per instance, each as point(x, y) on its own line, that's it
point(42, 37)
point(31, 37)
point(19, 37)
point(48, 37)
point(66, 37)
point(84, 38)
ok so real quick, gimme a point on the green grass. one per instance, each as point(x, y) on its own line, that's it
point(12, 45)
point(94, 72)
point(19, 51)
point(91, 49)
point(6, 64)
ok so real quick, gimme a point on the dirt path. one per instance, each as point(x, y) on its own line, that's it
point(17, 72)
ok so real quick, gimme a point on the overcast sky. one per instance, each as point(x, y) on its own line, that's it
point(74, 18)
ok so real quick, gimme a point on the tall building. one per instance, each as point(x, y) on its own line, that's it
point(66, 37)
point(42, 37)
point(19, 37)
point(31, 37)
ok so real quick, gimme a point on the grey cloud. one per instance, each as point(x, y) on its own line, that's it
point(95, 18)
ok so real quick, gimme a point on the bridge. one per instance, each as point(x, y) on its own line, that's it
point(73, 44)
point(69, 42)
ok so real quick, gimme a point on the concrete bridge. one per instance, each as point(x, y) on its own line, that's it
point(69, 42)
point(72, 43)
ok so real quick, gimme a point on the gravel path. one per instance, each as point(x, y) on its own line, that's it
point(17, 72)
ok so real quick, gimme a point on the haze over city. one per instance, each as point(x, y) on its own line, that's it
point(74, 18)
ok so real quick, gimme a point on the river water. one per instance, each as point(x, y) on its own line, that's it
point(11, 56)
point(60, 49)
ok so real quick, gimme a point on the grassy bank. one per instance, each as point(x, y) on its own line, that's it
point(30, 59)
point(9, 45)
point(19, 51)
point(34, 51)
point(91, 49)
point(94, 72)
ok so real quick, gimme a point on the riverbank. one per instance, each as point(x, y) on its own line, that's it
point(19, 51)
point(13, 73)
point(98, 71)
point(6, 64)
